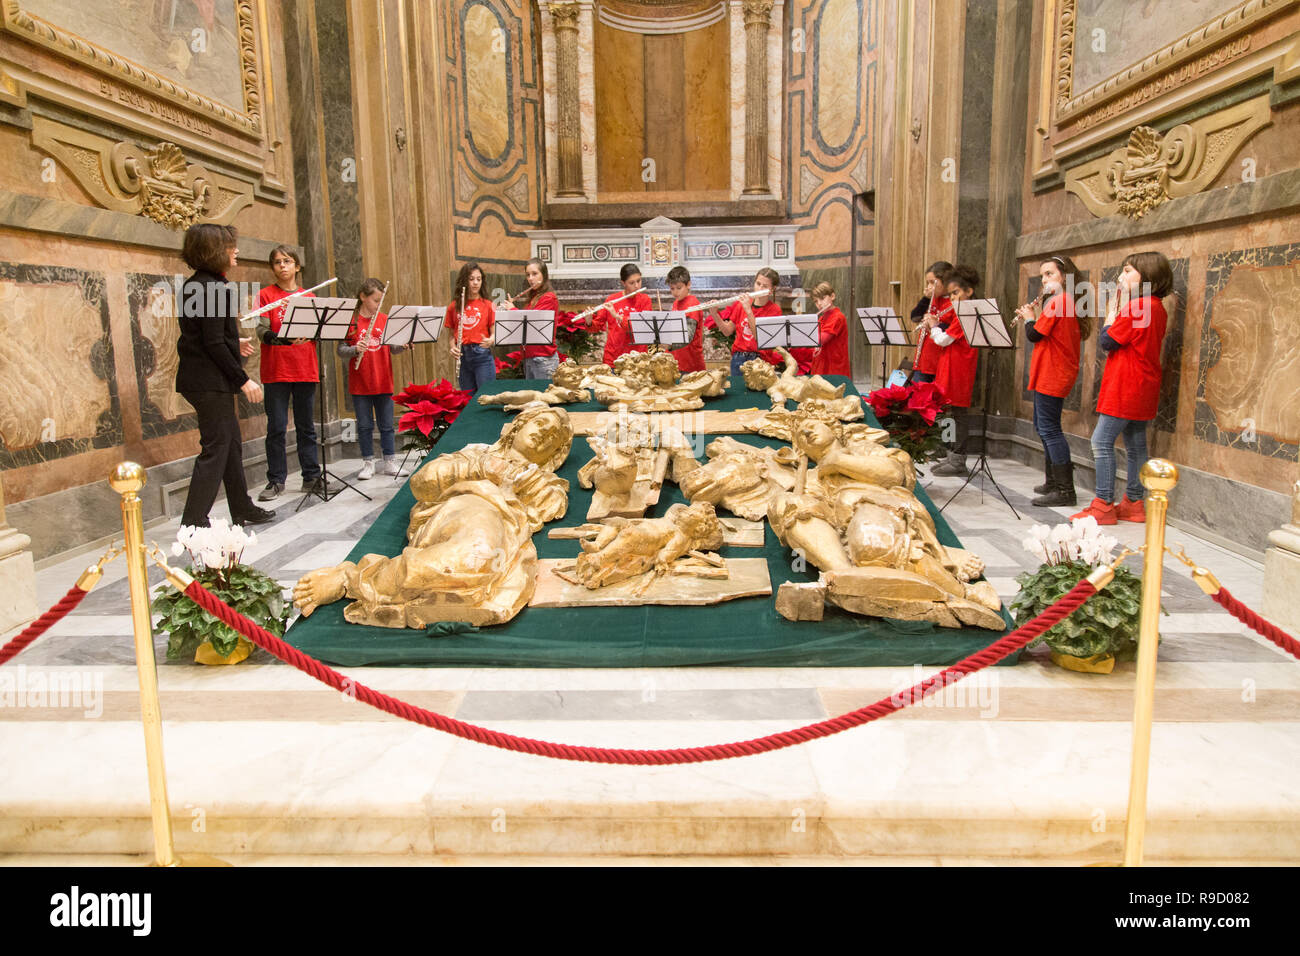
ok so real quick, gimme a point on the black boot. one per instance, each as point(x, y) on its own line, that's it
point(1046, 486)
point(1061, 493)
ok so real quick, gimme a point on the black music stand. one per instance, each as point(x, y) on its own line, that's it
point(787, 331)
point(408, 326)
point(982, 323)
point(883, 327)
point(321, 319)
point(660, 328)
point(524, 327)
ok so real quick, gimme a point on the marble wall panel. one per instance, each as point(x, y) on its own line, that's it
point(830, 90)
point(56, 365)
point(496, 196)
point(1248, 387)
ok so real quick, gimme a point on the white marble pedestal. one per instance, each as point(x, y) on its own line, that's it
point(1282, 588)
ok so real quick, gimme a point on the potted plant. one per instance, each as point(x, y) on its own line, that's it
point(1105, 628)
point(574, 336)
point(910, 413)
point(512, 366)
point(430, 410)
point(215, 555)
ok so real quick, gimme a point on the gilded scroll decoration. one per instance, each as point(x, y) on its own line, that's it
point(159, 182)
point(1150, 169)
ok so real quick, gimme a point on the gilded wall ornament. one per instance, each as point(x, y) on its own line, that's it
point(1152, 168)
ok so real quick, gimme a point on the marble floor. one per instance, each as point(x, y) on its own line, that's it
point(1026, 764)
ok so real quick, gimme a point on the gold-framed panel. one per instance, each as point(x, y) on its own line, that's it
point(20, 22)
point(1069, 103)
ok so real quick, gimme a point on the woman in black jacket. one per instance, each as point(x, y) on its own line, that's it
point(211, 372)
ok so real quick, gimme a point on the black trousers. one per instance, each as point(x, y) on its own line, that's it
point(221, 459)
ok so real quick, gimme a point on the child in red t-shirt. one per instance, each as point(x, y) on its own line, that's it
point(832, 354)
point(955, 374)
point(475, 351)
point(370, 379)
point(1054, 329)
point(614, 320)
point(289, 377)
point(690, 357)
point(932, 309)
point(540, 361)
point(738, 319)
point(1130, 385)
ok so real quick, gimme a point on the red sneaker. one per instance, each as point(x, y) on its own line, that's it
point(1103, 512)
point(1130, 510)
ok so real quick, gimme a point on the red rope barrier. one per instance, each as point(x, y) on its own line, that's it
point(1246, 616)
point(43, 623)
point(398, 708)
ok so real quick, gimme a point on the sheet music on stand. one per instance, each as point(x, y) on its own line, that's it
point(882, 326)
point(525, 327)
point(981, 321)
point(317, 317)
point(412, 324)
point(787, 331)
point(659, 328)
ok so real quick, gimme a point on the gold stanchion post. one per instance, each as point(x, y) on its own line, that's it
point(1158, 477)
point(127, 479)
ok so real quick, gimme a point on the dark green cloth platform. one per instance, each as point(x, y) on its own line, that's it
point(746, 632)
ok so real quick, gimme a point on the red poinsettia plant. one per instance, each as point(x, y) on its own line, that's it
point(911, 414)
point(574, 336)
point(430, 411)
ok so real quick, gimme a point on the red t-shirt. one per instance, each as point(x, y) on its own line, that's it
point(479, 320)
point(546, 302)
point(735, 314)
point(375, 377)
point(928, 363)
point(690, 357)
point(1130, 385)
point(617, 329)
point(832, 355)
point(957, 362)
point(1055, 362)
point(285, 363)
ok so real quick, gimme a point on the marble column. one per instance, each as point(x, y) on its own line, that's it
point(757, 20)
point(568, 129)
point(17, 575)
point(1282, 571)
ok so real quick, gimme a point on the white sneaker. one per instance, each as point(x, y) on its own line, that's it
point(391, 467)
point(367, 470)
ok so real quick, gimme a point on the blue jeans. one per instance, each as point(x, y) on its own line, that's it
point(543, 367)
point(476, 367)
point(278, 396)
point(381, 408)
point(740, 358)
point(1047, 422)
point(1103, 452)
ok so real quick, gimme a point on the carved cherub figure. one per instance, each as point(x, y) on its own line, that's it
point(652, 382)
point(630, 464)
point(627, 548)
point(875, 543)
point(760, 375)
point(554, 395)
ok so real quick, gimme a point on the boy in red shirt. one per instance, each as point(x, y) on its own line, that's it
point(956, 372)
point(832, 354)
point(1130, 385)
point(289, 375)
point(614, 320)
point(739, 318)
point(690, 357)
